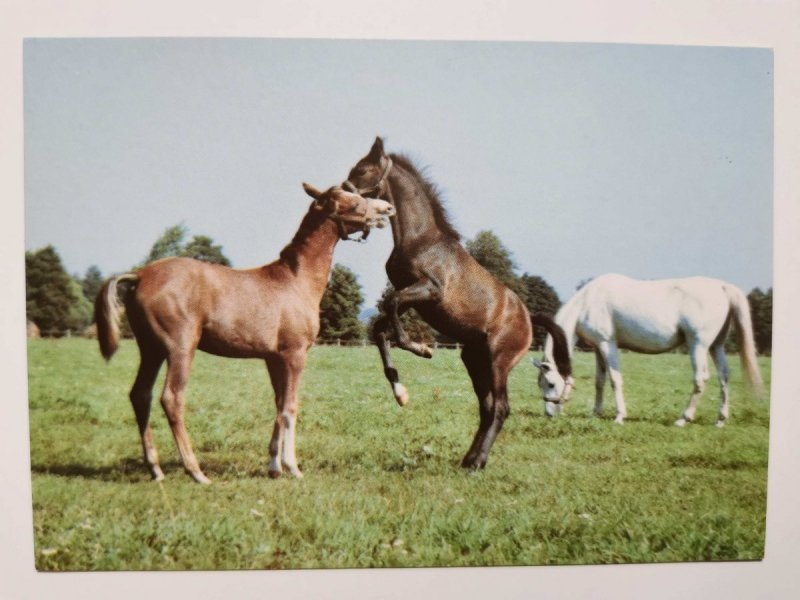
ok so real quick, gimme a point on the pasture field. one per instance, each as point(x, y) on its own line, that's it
point(382, 484)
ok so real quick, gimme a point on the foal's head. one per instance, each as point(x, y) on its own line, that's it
point(349, 210)
point(555, 387)
point(369, 174)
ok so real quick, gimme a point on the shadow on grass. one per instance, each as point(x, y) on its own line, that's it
point(132, 470)
point(694, 461)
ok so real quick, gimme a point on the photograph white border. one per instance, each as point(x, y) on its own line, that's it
point(746, 23)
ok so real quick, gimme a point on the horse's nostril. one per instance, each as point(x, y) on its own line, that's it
point(551, 385)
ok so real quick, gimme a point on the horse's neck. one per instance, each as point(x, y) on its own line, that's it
point(415, 216)
point(310, 257)
point(567, 319)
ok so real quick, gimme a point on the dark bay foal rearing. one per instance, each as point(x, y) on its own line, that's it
point(434, 274)
point(178, 305)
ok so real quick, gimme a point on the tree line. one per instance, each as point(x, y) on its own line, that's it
point(57, 302)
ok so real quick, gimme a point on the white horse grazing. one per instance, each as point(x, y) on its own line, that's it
point(613, 311)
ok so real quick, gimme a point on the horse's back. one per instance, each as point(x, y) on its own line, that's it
point(228, 312)
point(653, 315)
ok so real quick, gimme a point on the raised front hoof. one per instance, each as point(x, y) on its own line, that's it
point(400, 393)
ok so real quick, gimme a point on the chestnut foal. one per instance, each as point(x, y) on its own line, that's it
point(178, 305)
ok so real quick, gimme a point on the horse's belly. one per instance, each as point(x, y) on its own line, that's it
point(647, 340)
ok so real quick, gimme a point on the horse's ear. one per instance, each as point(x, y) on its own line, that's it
point(536, 363)
point(376, 152)
point(312, 191)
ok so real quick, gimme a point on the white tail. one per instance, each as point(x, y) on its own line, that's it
point(740, 310)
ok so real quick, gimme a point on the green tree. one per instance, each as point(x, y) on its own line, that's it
point(50, 293)
point(490, 252)
point(761, 312)
point(541, 299)
point(201, 247)
point(340, 307)
point(169, 244)
point(81, 311)
point(91, 283)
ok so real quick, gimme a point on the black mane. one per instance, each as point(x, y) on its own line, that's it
point(432, 192)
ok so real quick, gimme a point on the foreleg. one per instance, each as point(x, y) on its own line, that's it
point(398, 302)
point(173, 400)
point(381, 337)
point(610, 354)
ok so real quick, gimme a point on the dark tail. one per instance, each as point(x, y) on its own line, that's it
point(107, 313)
point(560, 345)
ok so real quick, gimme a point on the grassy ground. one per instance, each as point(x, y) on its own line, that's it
point(382, 485)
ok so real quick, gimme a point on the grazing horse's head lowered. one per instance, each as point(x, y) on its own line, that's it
point(555, 387)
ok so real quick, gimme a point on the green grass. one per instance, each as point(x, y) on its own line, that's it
point(382, 484)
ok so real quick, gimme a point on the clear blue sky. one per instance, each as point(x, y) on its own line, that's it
point(654, 161)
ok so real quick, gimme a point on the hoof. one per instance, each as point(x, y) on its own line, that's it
point(680, 422)
point(273, 474)
point(157, 475)
point(294, 471)
point(400, 393)
point(720, 424)
point(472, 463)
point(201, 479)
point(620, 420)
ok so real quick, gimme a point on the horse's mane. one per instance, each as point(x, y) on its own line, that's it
point(310, 223)
point(440, 215)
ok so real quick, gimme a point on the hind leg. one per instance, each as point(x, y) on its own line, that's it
point(723, 373)
point(141, 398)
point(477, 360)
point(173, 400)
point(699, 356)
point(599, 382)
point(490, 369)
